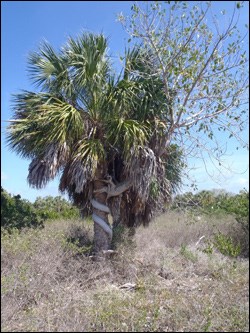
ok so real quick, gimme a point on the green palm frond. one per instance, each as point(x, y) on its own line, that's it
point(92, 148)
point(79, 71)
point(49, 70)
point(62, 121)
point(136, 62)
point(82, 166)
point(151, 97)
point(127, 133)
point(87, 55)
point(41, 120)
point(24, 134)
point(125, 97)
point(89, 69)
point(174, 166)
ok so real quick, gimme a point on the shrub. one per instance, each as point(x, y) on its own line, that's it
point(18, 213)
point(55, 207)
point(219, 203)
point(226, 245)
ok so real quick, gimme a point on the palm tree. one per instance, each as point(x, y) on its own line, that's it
point(105, 135)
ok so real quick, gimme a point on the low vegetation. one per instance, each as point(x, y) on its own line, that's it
point(20, 213)
point(220, 204)
point(55, 207)
point(185, 272)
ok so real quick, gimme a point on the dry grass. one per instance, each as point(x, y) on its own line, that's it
point(50, 284)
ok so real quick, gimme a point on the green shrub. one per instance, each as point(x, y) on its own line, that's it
point(78, 240)
point(238, 206)
point(55, 207)
point(18, 213)
point(209, 248)
point(226, 245)
point(212, 201)
point(219, 203)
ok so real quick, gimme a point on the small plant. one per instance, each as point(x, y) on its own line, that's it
point(77, 240)
point(226, 246)
point(207, 313)
point(118, 235)
point(75, 246)
point(209, 248)
point(188, 254)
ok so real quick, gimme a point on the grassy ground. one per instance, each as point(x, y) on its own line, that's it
point(163, 280)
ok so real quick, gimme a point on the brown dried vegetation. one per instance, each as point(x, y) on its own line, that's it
point(158, 281)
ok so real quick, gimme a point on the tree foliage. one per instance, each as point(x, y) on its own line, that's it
point(18, 213)
point(55, 207)
point(216, 200)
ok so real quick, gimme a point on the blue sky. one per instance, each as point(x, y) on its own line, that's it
point(25, 24)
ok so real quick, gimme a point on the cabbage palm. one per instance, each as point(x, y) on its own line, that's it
point(103, 134)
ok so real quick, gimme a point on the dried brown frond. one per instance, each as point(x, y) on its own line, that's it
point(151, 189)
point(44, 168)
point(141, 169)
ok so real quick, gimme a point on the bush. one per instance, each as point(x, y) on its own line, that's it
point(18, 213)
point(217, 203)
point(55, 207)
point(226, 245)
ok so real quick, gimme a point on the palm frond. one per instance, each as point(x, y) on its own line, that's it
point(141, 169)
point(40, 120)
point(24, 134)
point(49, 70)
point(62, 121)
point(152, 98)
point(136, 62)
point(127, 134)
point(81, 168)
point(87, 55)
point(44, 168)
point(174, 166)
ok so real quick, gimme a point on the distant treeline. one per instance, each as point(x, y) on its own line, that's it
point(215, 202)
point(19, 213)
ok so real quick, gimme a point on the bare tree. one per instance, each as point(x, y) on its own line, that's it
point(202, 61)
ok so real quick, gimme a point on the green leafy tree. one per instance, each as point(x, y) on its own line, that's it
point(104, 133)
point(18, 213)
point(55, 207)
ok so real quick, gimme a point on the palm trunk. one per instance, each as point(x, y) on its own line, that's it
point(102, 238)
